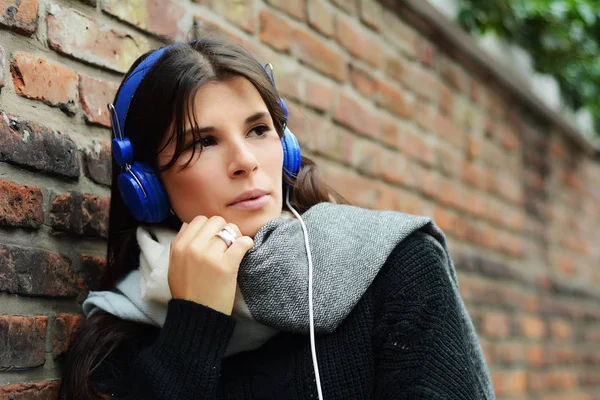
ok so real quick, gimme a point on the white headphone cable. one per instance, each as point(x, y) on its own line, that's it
point(310, 296)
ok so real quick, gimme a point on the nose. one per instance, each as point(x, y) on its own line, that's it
point(242, 160)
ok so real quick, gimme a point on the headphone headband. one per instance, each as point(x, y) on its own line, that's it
point(131, 84)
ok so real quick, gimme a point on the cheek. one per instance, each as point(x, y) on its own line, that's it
point(273, 160)
point(191, 192)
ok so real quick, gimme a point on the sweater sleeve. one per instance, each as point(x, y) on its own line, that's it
point(425, 344)
point(184, 362)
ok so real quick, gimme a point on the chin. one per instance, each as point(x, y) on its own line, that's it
point(251, 225)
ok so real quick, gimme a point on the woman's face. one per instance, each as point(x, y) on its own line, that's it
point(241, 157)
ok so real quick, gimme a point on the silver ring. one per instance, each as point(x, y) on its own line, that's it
point(228, 235)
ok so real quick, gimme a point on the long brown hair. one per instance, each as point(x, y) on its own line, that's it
point(162, 104)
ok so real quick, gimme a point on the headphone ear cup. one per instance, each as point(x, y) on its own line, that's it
point(292, 155)
point(133, 195)
point(160, 210)
point(157, 206)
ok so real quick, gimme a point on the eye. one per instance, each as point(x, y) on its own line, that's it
point(260, 130)
point(206, 141)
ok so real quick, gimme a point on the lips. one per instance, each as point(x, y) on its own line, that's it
point(250, 195)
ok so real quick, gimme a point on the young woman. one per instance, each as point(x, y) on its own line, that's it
point(217, 226)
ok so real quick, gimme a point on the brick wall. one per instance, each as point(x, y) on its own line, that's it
point(394, 121)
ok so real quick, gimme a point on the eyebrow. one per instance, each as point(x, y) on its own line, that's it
point(253, 118)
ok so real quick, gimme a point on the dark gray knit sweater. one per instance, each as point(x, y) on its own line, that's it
point(405, 339)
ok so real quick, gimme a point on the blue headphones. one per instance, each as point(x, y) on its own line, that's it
point(139, 185)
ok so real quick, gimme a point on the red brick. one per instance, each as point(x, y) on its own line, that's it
point(395, 67)
point(371, 13)
point(288, 79)
point(75, 34)
point(592, 335)
point(447, 100)
point(495, 103)
point(422, 82)
point(97, 163)
point(447, 130)
point(315, 53)
point(426, 54)
point(95, 94)
point(532, 327)
point(416, 145)
point(508, 353)
point(65, 327)
point(296, 8)
point(410, 203)
point(38, 79)
point(351, 6)
point(399, 34)
point(537, 356)
point(359, 42)
point(161, 17)
point(275, 31)
point(495, 324)
point(516, 219)
point(37, 147)
point(334, 143)
point(321, 17)
point(474, 174)
point(537, 381)
point(390, 131)
point(515, 382)
point(367, 157)
point(362, 81)
point(455, 76)
point(352, 114)
point(449, 161)
point(36, 272)
point(2, 65)
point(566, 264)
point(318, 94)
point(394, 100)
point(473, 147)
point(299, 121)
point(80, 214)
point(20, 206)
point(508, 187)
point(386, 199)
point(452, 194)
point(19, 15)
point(368, 196)
point(562, 379)
point(243, 13)
point(575, 244)
point(425, 113)
point(426, 180)
point(509, 140)
point(393, 167)
point(446, 220)
point(22, 342)
point(30, 391)
point(92, 272)
point(206, 26)
point(476, 203)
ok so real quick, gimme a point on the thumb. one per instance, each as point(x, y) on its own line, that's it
point(240, 247)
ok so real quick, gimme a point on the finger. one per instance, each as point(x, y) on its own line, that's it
point(212, 227)
point(185, 236)
point(235, 228)
point(206, 237)
point(240, 247)
point(220, 244)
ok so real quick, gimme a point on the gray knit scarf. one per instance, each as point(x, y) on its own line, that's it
point(349, 245)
